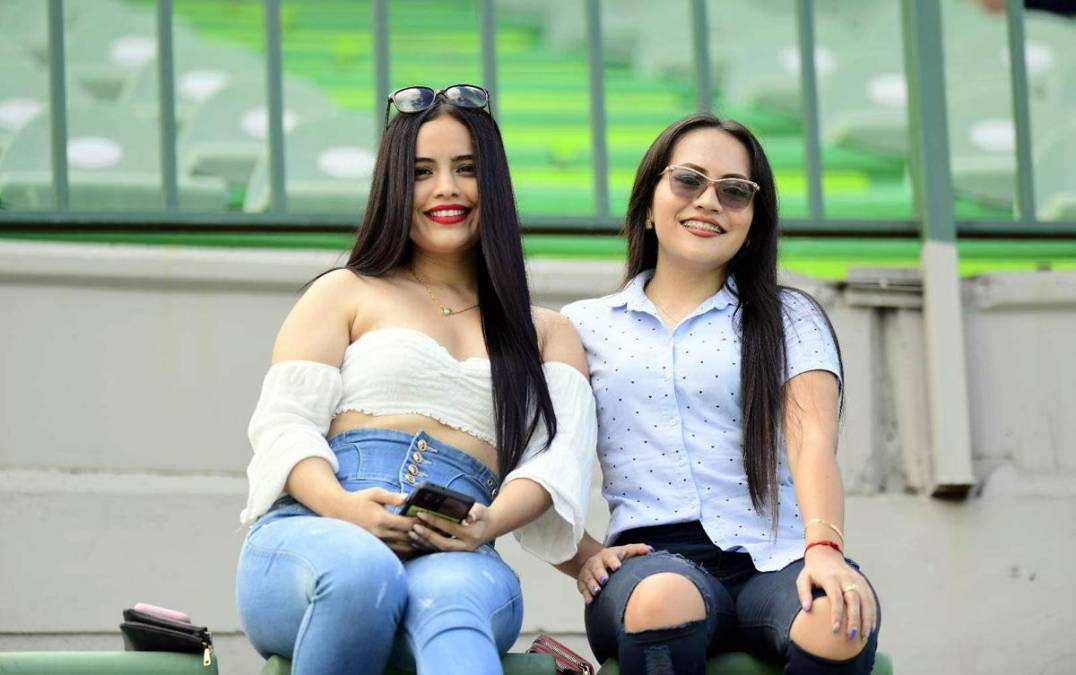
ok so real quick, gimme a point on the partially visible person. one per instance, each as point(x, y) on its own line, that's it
point(421, 360)
point(718, 398)
point(1062, 7)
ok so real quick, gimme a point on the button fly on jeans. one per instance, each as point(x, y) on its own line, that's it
point(412, 469)
point(421, 444)
point(417, 456)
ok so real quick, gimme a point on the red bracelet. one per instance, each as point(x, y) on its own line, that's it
point(824, 542)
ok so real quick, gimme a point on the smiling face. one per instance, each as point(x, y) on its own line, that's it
point(445, 214)
point(702, 232)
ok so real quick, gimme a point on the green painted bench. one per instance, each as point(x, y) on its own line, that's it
point(739, 663)
point(104, 663)
point(513, 664)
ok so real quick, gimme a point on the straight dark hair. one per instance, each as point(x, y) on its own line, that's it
point(383, 244)
point(759, 306)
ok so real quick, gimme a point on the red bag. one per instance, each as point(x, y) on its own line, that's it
point(568, 662)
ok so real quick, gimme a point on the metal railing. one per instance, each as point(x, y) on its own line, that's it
point(922, 45)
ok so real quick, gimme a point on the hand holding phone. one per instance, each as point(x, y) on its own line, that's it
point(437, 501)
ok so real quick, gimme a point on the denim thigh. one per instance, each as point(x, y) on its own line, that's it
point(605, 615)
point(768, 603)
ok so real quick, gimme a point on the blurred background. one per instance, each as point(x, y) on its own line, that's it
point(172, 172)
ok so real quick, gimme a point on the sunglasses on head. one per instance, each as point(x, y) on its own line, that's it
point(733, 193)
point(418, 99)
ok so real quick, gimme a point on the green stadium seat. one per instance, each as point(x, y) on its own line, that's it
point(566, 27)
point(104, 663)
point(113, 161)
point(25, 22)
point(513, 664)
point(109, 46)
point(228, 133)
point(328, 165)
point(743, 664)
point(1055, 178)
point(200, 72)
point(24, 91)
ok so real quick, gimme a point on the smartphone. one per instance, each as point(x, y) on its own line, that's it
point(437, 501)
point(163, 612)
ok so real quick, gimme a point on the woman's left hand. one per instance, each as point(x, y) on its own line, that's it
point(444, 535)
point(851, 600)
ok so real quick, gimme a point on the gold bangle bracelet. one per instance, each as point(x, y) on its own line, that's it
point(828, 524)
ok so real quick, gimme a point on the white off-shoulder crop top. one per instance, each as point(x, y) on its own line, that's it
point(400, 370)
point(396, 371)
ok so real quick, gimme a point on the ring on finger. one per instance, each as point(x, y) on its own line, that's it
point(850, 588)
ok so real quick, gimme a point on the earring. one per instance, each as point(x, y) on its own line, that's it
point(649, 223)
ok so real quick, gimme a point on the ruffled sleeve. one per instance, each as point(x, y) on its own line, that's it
point(564, 469)
point(289, 424)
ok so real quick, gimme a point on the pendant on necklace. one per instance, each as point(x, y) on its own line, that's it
point(447, 311)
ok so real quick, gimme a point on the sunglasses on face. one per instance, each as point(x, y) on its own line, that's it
point(418, 99)
point(733, 193)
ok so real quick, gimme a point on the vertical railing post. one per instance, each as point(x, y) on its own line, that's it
point(596, 61)
point(488, 21)
point(58, 104)
point(274, 82)
point(380, 22)
point(943, 317)
point(1025, 177)
point(809, 102)
point(704, 88)
point(166, 102)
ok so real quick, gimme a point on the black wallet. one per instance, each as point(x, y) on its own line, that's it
point(144, 632)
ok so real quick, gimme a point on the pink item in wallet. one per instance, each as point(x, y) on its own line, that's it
point(163, 612)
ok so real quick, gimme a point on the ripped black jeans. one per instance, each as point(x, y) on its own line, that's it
point(746, 610)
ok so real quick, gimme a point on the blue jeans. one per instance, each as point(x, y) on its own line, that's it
point(335, 599)
point(746, 610)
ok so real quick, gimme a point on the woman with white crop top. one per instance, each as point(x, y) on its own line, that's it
point(718, 395)
point(421, 360)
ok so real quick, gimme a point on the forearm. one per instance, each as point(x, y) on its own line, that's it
point(313, 484)
point(519, 502)
point(819, 492)
point(588, 546)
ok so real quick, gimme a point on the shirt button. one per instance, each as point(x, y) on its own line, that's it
point(421, 444)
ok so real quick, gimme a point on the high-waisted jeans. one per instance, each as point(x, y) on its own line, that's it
point(335, 599)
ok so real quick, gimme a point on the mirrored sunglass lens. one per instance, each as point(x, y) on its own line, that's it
point(734, 194)
point(413, 99)
point(466, 96)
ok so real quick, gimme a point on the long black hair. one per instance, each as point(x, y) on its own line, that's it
point(520, 395)
point(754, 269)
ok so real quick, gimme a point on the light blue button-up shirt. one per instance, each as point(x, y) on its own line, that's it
point(669, 417)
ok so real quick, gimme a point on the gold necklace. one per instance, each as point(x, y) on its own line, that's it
point(445, 309)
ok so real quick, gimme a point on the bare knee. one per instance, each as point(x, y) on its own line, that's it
point(663, 601)
point(813, 632)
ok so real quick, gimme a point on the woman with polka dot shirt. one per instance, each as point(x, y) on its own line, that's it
point(718, 396)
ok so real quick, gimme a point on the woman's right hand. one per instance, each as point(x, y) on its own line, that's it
point(597, 569)
point(366, 508)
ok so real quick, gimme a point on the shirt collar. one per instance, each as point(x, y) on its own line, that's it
point(634, 298)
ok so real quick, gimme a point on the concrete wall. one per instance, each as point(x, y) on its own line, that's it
point(127, 375)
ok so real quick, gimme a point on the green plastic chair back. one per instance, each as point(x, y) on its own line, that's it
point(744, 664)
point(1055, 179)
point(328, 166)
point(228, 133)
point(513, 664)
point(104, 663)
point(113, 161)
point(200, 72)
point(108, 47)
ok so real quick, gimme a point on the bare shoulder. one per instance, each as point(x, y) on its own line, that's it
point(318, 328)
point(558, 339)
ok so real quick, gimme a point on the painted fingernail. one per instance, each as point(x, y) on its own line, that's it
point(852, 633)
point(603, 579)
point(597, 589)
point(806, 606)
point(615, 566)
point(836, 626)
point(586, 601)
